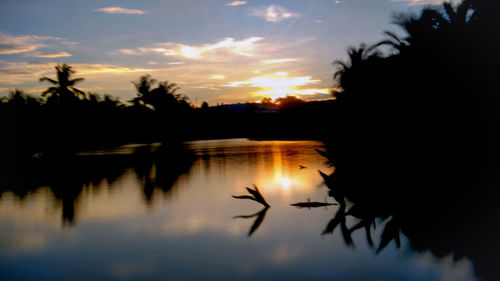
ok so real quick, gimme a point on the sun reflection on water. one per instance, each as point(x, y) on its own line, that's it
point(281, 175)
point(285, 182)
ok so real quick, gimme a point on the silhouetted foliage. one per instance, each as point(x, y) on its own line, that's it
point(66, 120)
point(255, 195)
point(259, 218)
point(312, 204)
point(204, 105)
point(162, 98)
point(417, 144)
point(63, 89)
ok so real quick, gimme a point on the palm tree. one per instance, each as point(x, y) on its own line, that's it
point(161, 98)
point(420, 30)
point(348, 73)
point(461, 13)
point(143, 87)
point(431, 25)
point(64, 85)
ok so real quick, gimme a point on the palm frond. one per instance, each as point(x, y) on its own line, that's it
point(50, 90)
point(78, 91)
point(394, 36)
point(74, 81)
point(450, 12)
point(44, 78)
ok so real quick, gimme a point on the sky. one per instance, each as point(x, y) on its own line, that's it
point(219, 51)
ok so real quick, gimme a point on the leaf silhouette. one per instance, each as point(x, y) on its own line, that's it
point(258, 221)
point(391, 231)
point(255, 196)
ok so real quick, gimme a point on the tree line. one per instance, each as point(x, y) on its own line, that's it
point(65, 119)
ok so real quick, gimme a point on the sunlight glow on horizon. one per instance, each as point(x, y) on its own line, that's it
point(283, 92)
point(279, 85)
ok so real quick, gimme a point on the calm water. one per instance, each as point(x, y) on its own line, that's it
point(133, 214)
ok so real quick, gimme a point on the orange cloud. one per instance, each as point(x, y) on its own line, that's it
point(274, 82)
point(217, 77)
point(50, 55)
point(273, 61)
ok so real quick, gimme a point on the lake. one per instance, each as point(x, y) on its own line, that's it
point(148, 212)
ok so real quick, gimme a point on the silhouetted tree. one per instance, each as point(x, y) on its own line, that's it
point(162, 98)
point(420, 123)
point(349, 73)
point(143, 87)
point(64, 86)
point(266, 100)
point(289, 101)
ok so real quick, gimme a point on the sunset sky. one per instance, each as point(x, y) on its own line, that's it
point(216, 51)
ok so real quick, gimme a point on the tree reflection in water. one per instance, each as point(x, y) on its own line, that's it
point(455, 220)
point(156, 167)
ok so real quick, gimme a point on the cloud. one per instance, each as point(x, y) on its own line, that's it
point(120, 10)
point(217, 77)
point(10, 44)
point(421, 2)
point(211, 87)
point(89, 69)
point(50, 55)
point(283, 92)
point(176, 63)
point(275, 13)
point(236, 3)
point(72, 43)
point(17, 73)
point(281, 73)
point(273, 61)
point(29, 45)
point(274, 82)
point(244, 47)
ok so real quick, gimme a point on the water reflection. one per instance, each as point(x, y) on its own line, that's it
point(154, 212)
point(259, 218)
point(157, 167)
point(449, 221)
